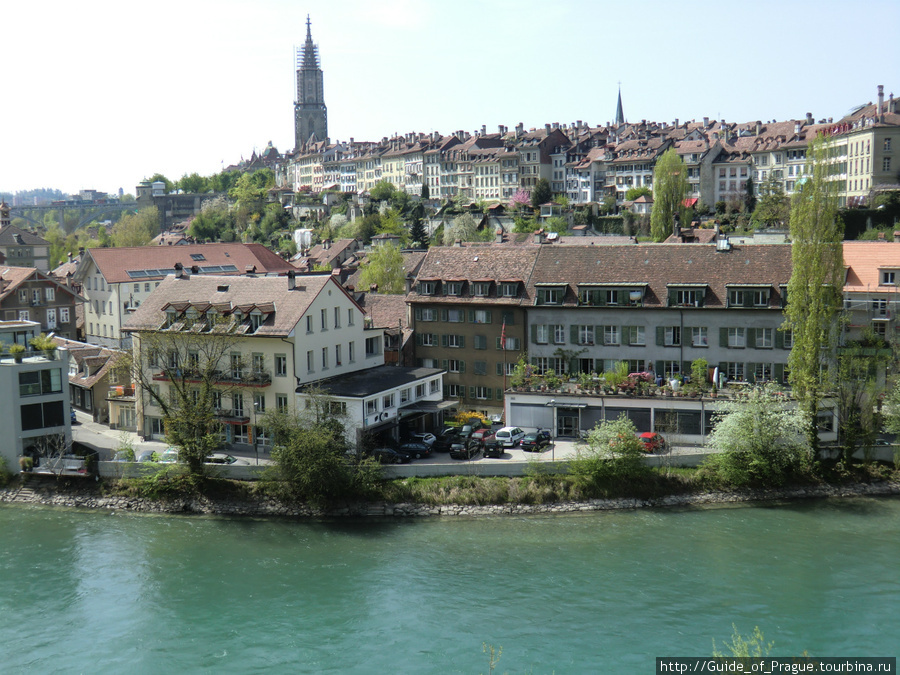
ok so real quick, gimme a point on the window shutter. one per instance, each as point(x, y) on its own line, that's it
point(573, 334)
point(509, 318)
point(685, 367)
point(444, 341)
point(499, 394)
point(471, 316)
point(533, 334)
point(602, 334)
point(418, 363)
point(418, 313)
point(660, 369)
point(498, 342)
point(472, 392)
point(723, 337)
point(489, 393)
point(462, 366)
point(445, 364)
point(673, 297)
point(573, 366)
point(779, 372)
point(701, 297)
point(541, 296)
point(779, 340)
point(488, 316)
point(445, 316)
point(419, 339)
point(462, 341)
point(750, 373)
point(499, 368)
point(748, 299)
point(446, 391)
point(599, 298)
point(660, 336)
point(598, 335)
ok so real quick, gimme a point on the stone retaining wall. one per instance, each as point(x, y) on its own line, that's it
point(86, 498)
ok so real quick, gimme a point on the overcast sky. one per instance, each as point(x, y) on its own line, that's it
point(102, 93)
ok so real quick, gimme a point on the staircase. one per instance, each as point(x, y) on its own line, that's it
point(26, 491)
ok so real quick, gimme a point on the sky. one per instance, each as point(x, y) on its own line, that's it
point(100, 94)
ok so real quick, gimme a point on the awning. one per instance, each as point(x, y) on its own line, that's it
point(427, 406)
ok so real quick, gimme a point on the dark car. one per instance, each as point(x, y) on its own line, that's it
point(390, 456)
point(464, 450)
point(492, 447)
point(415, 450)
point(535, 441)
point(72, 415)
point(444, 440)
point(466, 430)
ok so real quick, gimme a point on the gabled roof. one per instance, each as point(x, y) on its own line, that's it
point(114, 263)
point(93, 362)
point(864, 259)
point(662, 265)
point(8, 237)
point(227, 294)
point(13, 277)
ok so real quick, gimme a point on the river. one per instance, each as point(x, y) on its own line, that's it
point(93, 592)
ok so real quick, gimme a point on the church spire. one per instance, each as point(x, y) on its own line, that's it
point(620, 116)
point(310, 113)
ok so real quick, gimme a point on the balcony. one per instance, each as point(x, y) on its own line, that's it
point(121, 393)
point(244, 378)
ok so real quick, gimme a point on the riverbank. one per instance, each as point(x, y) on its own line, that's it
point(82, 496)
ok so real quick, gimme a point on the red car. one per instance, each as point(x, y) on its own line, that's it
point(652, 441)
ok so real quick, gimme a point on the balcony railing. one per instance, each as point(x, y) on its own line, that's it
point(247, 378)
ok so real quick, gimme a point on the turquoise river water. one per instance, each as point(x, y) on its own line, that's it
point(93, 592)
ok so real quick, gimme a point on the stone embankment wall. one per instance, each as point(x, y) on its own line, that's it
point(87, 498)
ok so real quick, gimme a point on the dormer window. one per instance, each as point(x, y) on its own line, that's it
point(454, 288)
point(256, 320)
point(687, 295)
point(170, 318)
point(888, 278)
point(550, 295)
point(509, 289)
point(736, 297)
point(482, 288)
point(426, 287)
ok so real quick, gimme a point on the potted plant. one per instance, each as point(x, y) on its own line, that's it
point(44, 344)
point(26, 463)
point(17, 351)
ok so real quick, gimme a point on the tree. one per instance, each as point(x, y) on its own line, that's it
point(758, 439)
point(670, 186)
point(159, 178)
point(194, 183)
point(417, 232)
point(541, 193)
point(520, 199)
point(749, 196)
point(859, 386)
point(635, 192)
point(426, 194)
point(136, 229)
point(463, 228)
point(190, 365)
point(212, 221)
point(613, 454)
point(384, 268)
point(814, 289)
point(773, 207)
point(608, 204)
point(382, 191)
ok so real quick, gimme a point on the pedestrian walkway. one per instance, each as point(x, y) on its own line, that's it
point(106, 441)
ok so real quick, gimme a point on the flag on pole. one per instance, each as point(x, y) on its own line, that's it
point(503, 336)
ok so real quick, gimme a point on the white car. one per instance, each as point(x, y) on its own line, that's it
point(170, 456)
point(222, 458)
point(424, 437)
point(509, 437)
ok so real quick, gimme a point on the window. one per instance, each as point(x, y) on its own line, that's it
point(482, 393)
point(887, 144)
point(350, 317)
point(404, 395)
point(147, 287)
point(480, 342)
point(323, 315)
point(550, 296)
point(193, 360)
point(259, 403)
point(735, 298)
point(64, 315)
point(237, 404)
point(39, 382)
point(699, 337)
point(688, 298)
point(672, 336)
point(635, 335)
point(671, 368)
point(337, 355)
point(23, 315)
point(49, 294)
point(426, 288)
point(337, 317)
point(481, 367)
point(737, 337)
point(510, 368)
point(51, 317)
point(280, 365)
point(761, 298)
point(512, 343)
point(217, 399)
point(420, 390)
point(482, 289)
point(256, 320)
point(509, 289)
point(456, 315)
point(309, 324)
point(764, 338)
point(456, 390)
point(324, 358)
point(455, 341)
point(734, 371)
point(454, 288)
point(42, 415)
point(482, 316)
point(541, 334)
point(762, 372)
point(886, 164)
point(23, 295)
point(371, 406)
point(428, 339)
point(889, 278)
point(237, 367)
point(387, 401)
point(585, 335)
point(788, 339)
point(610, 335)
point(612, 297)
point(351, 351)
point(373, 346)
point(310, 361)
point(427, 314)
point(559, 334)
point(434, 386)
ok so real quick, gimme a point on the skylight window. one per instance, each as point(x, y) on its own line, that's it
point(198, 256)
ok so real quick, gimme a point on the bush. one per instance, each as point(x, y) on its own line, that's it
point(614, 455)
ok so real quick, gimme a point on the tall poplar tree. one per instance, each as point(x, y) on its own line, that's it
point(814, 290)
point(670, 186)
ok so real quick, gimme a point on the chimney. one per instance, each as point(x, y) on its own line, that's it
point(539, 237)
point(458, 243)
point(675, 123)
point(179, 270)
point(547, 129)
point(195, 269)
point(797, 128)
point(484, 130)
point(881, 103)
point(292, 279)
point(250, 269)
point(70, 256)
point(758, 127)
point(809, 118)
point(500, 129)
point(498, 236)
point(705, 121)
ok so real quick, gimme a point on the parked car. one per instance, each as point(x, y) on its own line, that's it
point(480, 435)
point(222, 458)
point(467, 430)
point(415, 450)
point(144, 456)
point(509, 437)
point(446, 438)
point(652, 441)
point(169, 456)
point(72, 415)
point(536, 441)
point(425, 437)
point(491, 447)
point(390, 456)
point(464, 450)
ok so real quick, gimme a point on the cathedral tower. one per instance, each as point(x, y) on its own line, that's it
point(310, 114)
